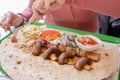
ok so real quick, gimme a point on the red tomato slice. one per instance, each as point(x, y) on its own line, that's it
point(50, 35)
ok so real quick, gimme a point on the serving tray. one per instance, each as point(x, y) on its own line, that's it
point(104, 38)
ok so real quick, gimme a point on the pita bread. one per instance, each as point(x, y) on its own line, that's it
point(22, 66)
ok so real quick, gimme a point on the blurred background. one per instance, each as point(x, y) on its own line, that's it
point(15, 6)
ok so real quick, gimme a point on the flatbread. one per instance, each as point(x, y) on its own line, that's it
point(22, 66)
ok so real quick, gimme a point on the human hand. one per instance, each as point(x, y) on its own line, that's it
point(10, 19)
point(41, 7)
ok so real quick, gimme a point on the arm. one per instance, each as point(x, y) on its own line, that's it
point(12, 19)
point(107, 7)
point(27, 13)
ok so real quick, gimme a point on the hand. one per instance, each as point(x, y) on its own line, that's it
point(10, 19)
point(41, 7)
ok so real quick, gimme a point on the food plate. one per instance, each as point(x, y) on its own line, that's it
point(58, 28)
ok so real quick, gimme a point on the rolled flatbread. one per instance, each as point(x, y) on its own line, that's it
point(22, 66)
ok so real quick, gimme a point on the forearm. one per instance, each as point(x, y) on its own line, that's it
point(27, 13)
point(107, 7)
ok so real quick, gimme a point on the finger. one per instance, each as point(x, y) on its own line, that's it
point(9, 18)
point(6, 24)
point(38, 4)
point(41, 7)
point(3, 19)
point(55, 6)
point(31, 19)
point(61, 2)
point(39, 18)
point(35, 18)
point(35, 14)
point(47, 4)
point(5, 27)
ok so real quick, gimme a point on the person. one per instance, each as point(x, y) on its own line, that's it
point(78, 14)
point(114, 27)
point(109, 25)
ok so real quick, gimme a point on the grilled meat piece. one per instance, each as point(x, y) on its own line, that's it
point(93, 56)
point(37, 47)
point(81, 62)
point(50, 50)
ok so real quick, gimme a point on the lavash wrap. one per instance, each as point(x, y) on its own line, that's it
point(36, 68)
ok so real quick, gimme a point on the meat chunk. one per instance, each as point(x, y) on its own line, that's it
point(50, 50)
point(37, 47)
point(13, 39)
point(82, 62)
point(62, 59)
point(93, 56)
point(82, 53)
point(62, 47)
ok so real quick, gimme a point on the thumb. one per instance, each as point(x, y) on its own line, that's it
point(31, 19)
point(8, 19)
point(35, 17)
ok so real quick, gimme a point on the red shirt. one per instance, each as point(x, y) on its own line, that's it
point(80, 14)
point(74, 17)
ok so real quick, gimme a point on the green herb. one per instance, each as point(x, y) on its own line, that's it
point(63, 34)
point(70, 45)
point(78, 48)
point(74, 37)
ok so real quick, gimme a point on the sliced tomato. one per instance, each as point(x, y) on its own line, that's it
point(50, 35)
